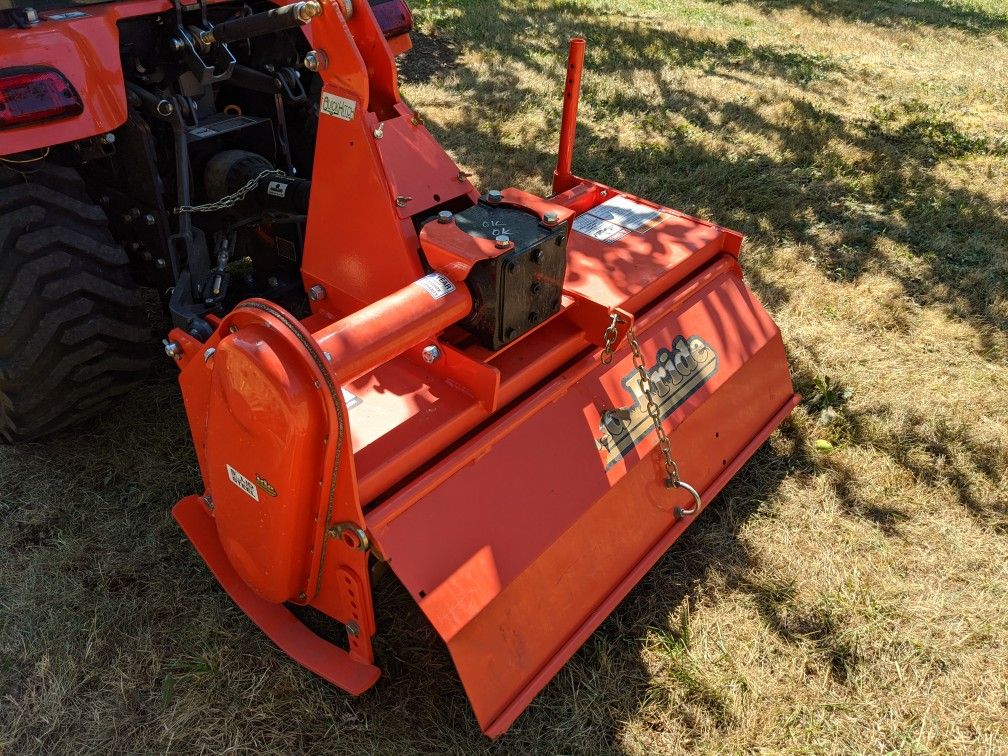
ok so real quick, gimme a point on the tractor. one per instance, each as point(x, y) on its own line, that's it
point(516, 403)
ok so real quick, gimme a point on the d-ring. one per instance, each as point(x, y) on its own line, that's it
point(680, 512)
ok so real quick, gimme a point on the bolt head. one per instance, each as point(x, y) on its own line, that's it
point(445, 217)
point(431, 354)
point(503, 242)
point(317, 293)
point(176, 44)
point(353, 628)
point(312, 61)
point(149, 219)
point(494, 197)
point(552, 217)
point(208, 354)
point(172, 348)
point(160, 263)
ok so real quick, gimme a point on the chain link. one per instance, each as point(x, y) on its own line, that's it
point(672, 479)
point(610, 336)
point(671, 468)
point(234, 198)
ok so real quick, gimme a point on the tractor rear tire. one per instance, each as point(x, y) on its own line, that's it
point(74, 332)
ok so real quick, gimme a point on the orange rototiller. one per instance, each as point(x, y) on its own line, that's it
point(517, 403)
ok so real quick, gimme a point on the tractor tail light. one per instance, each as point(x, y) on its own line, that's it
point(394, 17)
point(30, 95)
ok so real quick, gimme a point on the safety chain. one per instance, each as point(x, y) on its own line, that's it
point(672, 479)
point(232, 199)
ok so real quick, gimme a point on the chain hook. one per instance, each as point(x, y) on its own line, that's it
point(609, 338)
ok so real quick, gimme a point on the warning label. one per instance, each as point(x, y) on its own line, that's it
point(437, 285)
point(615, 218)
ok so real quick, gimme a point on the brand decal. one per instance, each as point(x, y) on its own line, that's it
point(243, 483)
point(277, 189)
point(340, 107)
point(678, 373)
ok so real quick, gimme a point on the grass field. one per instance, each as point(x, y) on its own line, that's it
point(847, 592)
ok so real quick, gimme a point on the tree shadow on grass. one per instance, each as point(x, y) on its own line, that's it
point(809, 191)
point(937, 14)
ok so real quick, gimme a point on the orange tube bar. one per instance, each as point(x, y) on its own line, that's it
point(387, 328)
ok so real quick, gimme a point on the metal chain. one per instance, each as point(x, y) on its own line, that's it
point(672, 479)
point(232, 199)
point(671, 468)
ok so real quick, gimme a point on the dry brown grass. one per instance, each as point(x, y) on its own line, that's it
point(847, 592)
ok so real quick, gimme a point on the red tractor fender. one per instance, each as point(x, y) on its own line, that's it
point(83, 45)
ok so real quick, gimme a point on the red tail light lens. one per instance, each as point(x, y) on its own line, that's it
point(30, 95)
point(394, 17)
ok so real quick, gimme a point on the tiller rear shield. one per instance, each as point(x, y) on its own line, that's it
point(475, 415)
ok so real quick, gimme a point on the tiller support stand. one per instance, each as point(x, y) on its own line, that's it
point(518, 403)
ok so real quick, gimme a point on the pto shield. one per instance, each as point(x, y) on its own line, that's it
point(518, 544)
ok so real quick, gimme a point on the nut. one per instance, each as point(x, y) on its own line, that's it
point(172, 348)
point(445, 217)
point(431, 354)
point(551, 218)
point(317, 293)
point(494, 197)
point(503, 242)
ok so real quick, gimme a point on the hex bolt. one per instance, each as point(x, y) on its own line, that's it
point(315, 60)
point(431, 354)
point(176, 44)
point(380, 131)
point(552, 217)
point(108, 138)
point(149, 219)
point(503, 242)
point(494, 197)
point(317, 293)
point(308, 10)
point(353, 628)
point(445, 217)
point(403, 200)
point(172, 348)
point(208, 354)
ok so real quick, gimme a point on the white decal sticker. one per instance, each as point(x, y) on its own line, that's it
point(243, 483)
point(277, 189)
point(437, 285)
point(351, 400)
point(341, 107)
point(615, 218)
